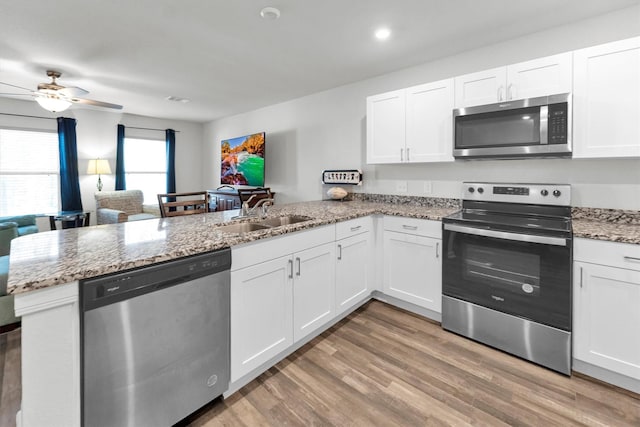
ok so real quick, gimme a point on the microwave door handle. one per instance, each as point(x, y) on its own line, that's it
point(544, 125)
point(528, 238)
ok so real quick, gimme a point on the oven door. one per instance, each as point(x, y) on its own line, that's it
point(524, 275)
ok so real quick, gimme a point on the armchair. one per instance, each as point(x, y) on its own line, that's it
point(123, 205)
point(8, 231)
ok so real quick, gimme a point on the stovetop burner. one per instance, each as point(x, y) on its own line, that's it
point(525, 208)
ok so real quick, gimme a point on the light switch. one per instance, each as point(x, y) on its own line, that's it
point(401, 186)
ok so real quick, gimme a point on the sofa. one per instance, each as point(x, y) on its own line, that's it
point(10, 228)
point(123, 205)
point(26, 223)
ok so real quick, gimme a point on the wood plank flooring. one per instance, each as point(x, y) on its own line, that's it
point(382, 366)
point(385, 367)
point(10, 387)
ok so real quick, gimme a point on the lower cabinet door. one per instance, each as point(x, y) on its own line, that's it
point(413, 269)
point(261, 314)
point(313, 289)
point(606, 329)
point(353, 270)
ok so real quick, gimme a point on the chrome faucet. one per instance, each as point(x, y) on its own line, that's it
point(264, 203)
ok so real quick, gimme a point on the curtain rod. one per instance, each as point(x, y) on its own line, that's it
point(159, 130)
point(24, 115)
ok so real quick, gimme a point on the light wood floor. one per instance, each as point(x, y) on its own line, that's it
point(385, 367)
point(10, 388)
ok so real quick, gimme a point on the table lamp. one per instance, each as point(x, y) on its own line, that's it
point(98, 167)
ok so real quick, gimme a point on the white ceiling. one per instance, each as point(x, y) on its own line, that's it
point(224, 57)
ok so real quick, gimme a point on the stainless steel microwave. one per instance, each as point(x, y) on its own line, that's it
point(534, 127)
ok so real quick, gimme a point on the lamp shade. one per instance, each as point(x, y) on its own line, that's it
point(53, 103)
point(98, 167)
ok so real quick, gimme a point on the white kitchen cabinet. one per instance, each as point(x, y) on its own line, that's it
point(386, 127)
point(281, 288)
point(261, 314)
point(606, 100)
point(313, 289)
point(354, 262)
point(412, 125)
point(412, 261)
point(606, 305)
point(430, 122)
point(539, 77)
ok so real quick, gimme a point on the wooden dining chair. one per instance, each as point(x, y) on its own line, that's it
point(260, 193)
point(177, 204)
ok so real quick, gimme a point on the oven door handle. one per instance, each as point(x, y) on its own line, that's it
point(556, 241)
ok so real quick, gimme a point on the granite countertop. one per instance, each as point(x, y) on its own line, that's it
point(54, 258)
point(613, 225)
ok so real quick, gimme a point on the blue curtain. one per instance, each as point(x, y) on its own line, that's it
point(171, 160)
point(69, 183)
point(120, 179)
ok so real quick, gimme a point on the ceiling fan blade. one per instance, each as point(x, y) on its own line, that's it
point(16, 94)
point(72, 91)
point(17, 87)
point(95, 103)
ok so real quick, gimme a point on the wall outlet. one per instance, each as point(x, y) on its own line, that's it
point(401, 186)
point(428, 188)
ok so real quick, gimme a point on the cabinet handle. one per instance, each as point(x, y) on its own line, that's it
point(510, 91)
point(437, 249)
point(356, 228)
point(500, 93)
point(581, 277)
point(290, 262)
point(402, 154)
point(408, 159)
point(409, 227)
point(631, 258)
point(339, 252)
point(298, 262)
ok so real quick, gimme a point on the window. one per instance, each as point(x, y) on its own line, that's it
point(145, 165)
point(29, 172)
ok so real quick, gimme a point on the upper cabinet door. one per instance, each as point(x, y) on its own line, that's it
point(606, 100)
point(483, 87)
point(386, 127)
point(430, 122)
point(540, 77)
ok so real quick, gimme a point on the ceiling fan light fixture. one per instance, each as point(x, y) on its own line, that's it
point(53, 103)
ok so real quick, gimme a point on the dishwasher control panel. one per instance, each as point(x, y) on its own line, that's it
point(112, 288)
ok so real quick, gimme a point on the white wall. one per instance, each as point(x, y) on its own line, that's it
point(327, 130)
point(96, 132)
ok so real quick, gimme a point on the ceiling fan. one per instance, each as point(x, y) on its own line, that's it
point(55, 98)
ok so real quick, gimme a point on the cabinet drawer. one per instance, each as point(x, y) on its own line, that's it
point(621, 255)
point(353, 227)
point(420, 227)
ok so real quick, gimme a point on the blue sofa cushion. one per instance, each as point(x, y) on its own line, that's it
point(26, 223)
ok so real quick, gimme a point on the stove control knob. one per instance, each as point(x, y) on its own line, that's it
point(544, 193)
point(556, 193)
point(480, 190)
point(471, 189)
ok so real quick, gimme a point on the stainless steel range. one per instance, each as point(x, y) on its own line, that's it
point(506, 263)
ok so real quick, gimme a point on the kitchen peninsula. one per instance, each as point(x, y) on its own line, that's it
point(46, 267)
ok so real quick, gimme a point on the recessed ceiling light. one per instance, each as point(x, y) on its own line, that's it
point(382, 33)
point(270, 13)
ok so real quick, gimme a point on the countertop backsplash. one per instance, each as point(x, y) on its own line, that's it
point(434, 202)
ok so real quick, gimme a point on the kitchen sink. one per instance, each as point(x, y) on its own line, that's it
point(243, 227)
point(284, 220)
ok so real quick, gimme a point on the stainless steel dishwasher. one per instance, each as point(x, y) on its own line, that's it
point(155, 341)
